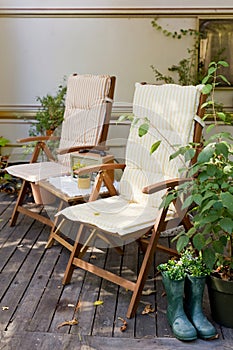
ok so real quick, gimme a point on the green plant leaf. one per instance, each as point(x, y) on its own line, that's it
point(209, 128)
point(188, 201)
point(3, 141)
point(221, 116)
point(218, 247)
point(223, 63)
point(189, 154)
point(206, 154)
point(226, 224)
point(207, 88)
point(182, 243)
point(199, 241)
point(208, 205)
point(143, 129)
point(155, 146)
point(167, 200)
point(191, 232)
point(221, 148)
point(209, 257)
point(197, 198)
point(227, 200)
point(211, 70)
point(224, 79)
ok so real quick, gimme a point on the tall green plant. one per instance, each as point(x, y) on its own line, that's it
point(51, 111)
point(209, 193)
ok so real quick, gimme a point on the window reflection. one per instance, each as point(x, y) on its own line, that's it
point(217, 44)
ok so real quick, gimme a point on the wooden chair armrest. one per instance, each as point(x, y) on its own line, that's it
point(38, 139)
point(79, 148)
point(98, 168)
point(164, 185)
point(73, 149)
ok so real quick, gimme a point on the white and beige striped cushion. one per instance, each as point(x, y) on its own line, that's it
point(86, 91)
point(172, 109)
point(85, 112)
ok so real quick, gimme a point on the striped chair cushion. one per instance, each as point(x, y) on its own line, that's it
point(171, 109)
point(86, 91)
point(86, 110)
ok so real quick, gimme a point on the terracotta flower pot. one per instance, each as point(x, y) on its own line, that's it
point(41, 196)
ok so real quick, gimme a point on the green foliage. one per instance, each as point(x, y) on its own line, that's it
point(188, 263)
point(209, 196)
point(51, 112)
point(186, 68)
point(174, 269)
point(3, 141)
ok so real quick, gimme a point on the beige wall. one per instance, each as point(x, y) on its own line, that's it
point(42, 43)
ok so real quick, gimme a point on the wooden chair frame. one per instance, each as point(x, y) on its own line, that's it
point(149, 244)
point(42, 146)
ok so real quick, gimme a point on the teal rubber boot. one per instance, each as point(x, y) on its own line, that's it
point(180, 324)
point(194, 289)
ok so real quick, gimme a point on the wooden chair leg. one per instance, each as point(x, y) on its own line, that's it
point(147, 261)
point(19, 201)
point(75, 253)
point(55, 229)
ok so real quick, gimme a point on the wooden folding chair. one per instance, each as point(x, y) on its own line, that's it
point(85, 126)
point(132, 214)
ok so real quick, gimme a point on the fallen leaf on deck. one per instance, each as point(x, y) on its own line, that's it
point(96, 214)
point(4, 308)
point(78, 306)
point(148, 291)
point(68, 323)
point(124, 326)
point(98, 302)
point(148, 309)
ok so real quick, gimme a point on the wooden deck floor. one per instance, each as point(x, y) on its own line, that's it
point(34, 304)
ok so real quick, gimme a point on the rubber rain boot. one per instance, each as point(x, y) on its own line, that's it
point(180, 324)
point(194, 289)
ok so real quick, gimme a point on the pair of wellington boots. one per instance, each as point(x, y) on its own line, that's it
point(185, 316)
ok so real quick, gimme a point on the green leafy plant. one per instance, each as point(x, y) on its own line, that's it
point(3, 141)
point(209, 193)
point(51, 112)
point(188, 263)
point(186, 69)
point(78, 165)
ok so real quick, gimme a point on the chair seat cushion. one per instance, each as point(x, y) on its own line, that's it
point(114, 214)
point(35, 172)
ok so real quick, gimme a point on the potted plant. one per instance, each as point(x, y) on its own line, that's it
point(186, 276)
point(84, 180)
point(209, 200)
point(51, 112)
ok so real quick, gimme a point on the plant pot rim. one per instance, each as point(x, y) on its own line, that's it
point(220, 285)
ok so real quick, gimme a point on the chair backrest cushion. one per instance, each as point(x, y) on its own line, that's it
point(86, 91)
point(85, 111)
point(171, 110)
